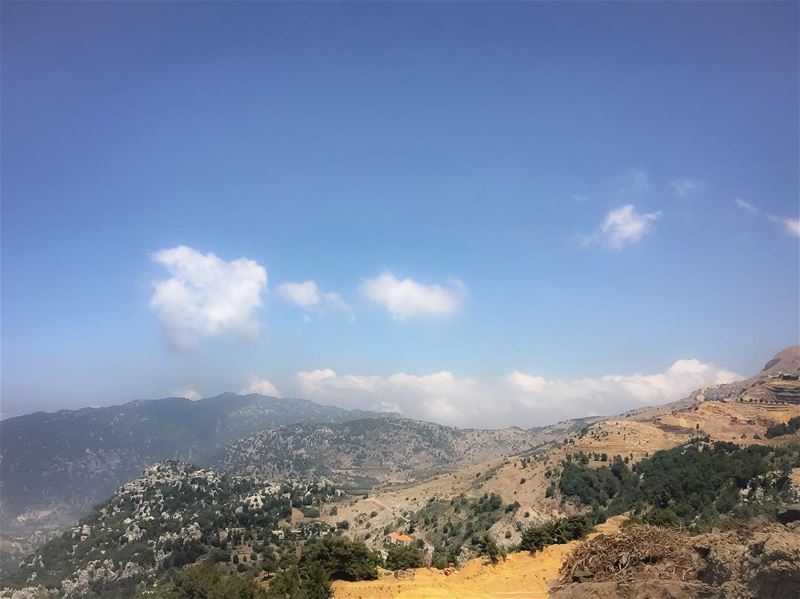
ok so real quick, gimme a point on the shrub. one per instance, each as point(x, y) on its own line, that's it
point(488, 548)
point(205, 580)
point(310, 512)
point(792, 426)
point(697, 482)
point(323, 560)
point(402, 558)
point(342, 558)
point(537, 537)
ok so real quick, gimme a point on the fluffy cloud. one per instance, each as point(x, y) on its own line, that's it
point(440, 396)
point(746, 206)
point(683, 187)
point(262, 387)
point(790, 225)
point(206, 296)
point(405, 298)
point(609, 394)
point(520, 399)
point(622, 226)
point(189, 394)
point(308, 296)
point(305, 294)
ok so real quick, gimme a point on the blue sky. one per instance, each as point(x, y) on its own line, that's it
point(479, 192)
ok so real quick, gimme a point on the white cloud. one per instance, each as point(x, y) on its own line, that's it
point(683, 187)
point(337, 302)
point(579, 197)
point(622, 226)
point(206, 296)
point(262, 387)
point(611, 394)
point(519, 399)
point(746, 206)
point(305, 294)
point(790, 225)
point(440, 396)
point(186, 393)
point(405, 298)
point(308, 296)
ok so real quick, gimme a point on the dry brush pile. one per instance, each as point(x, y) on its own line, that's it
point(759, 559)
point(648, 550)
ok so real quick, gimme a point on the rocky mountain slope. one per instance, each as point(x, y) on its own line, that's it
point(708, 459)
point(174, 514)
point(761, 386)
point(531, 478)
point(361, 453)
point(55, 466)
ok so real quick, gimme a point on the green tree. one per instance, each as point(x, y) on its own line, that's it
point(342, 558)
point(205, 581)
point(488, 548)
point(404, 557)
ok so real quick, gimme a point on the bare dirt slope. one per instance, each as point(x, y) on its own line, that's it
point(526, 477)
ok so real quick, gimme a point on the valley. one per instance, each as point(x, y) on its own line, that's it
point(253, 506)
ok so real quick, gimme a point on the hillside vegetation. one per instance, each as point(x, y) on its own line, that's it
point(174, 515)
point(690, 486)
point(293, 509)
point(361, 453)
point(56, 466)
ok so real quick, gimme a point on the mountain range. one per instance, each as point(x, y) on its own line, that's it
point(55, 466)
point(293, 469)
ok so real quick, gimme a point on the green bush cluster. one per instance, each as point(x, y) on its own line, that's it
point(564, 530)
point(488, 548)
point(404, 557)
point(690, 486)
point(449, 525)
point(205, 581)
point(213, 506)
point(320, 561)
point(784, 429)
